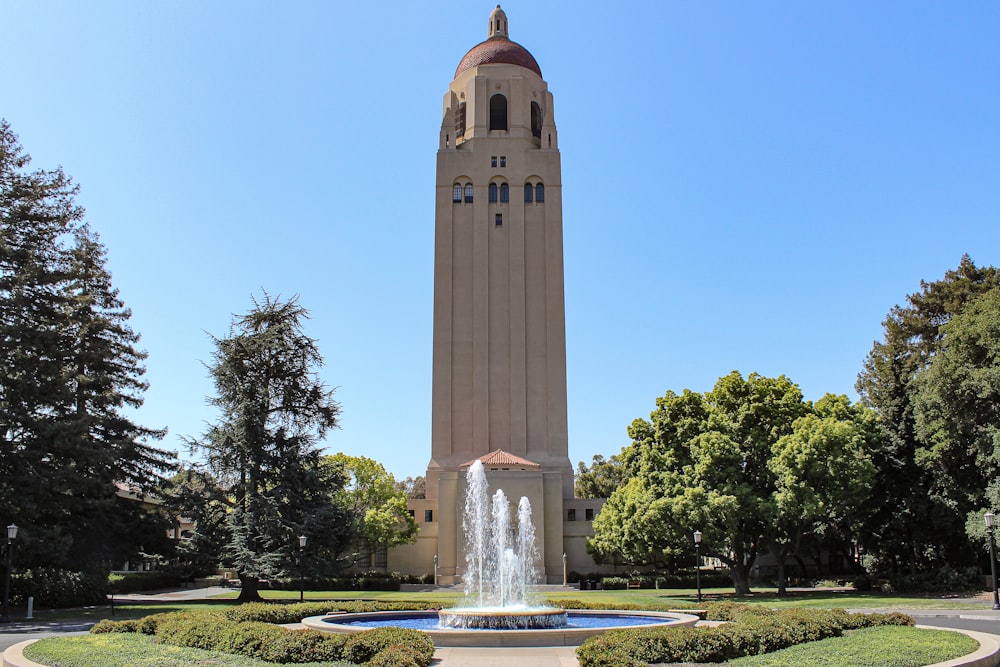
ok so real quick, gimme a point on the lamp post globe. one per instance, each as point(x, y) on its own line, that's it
point(302, 582)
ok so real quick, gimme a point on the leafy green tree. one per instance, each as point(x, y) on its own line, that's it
point(917, 523)
point(264, 449)
point(601, 479)
point(702, 464)
point(413, 488)
point(372, 497)
point(70, 371)
point(823, 476)
point(956, 407)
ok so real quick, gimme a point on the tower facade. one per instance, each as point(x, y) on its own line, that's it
point(499, 355)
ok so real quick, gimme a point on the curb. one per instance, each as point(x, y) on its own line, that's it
point(14, 656)
point(988, 654)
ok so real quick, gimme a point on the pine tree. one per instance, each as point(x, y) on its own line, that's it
point(263, 450)
point(68, 370)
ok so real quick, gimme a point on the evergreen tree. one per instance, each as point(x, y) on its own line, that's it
point(68, 371)
point(919, 523)
point(263, 450)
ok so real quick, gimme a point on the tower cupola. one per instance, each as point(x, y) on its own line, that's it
point(498, 49)
point(498, 23)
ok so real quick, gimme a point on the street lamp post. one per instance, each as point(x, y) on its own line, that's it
point(990, 519)
point(435, 569)
point(697, 562)
point(11, 535)
point(565, 574)
point(302, 581)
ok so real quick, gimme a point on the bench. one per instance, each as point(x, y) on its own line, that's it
point(633, 583)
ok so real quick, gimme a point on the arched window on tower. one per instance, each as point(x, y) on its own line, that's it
point(493, 193)
point(498, 112)
point(456, 192)
point(536, 120)
point(504, 193)
point(468, 193)
point(529, 192)
point(540, 193)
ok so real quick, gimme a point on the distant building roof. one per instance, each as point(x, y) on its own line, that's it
point(501, 459)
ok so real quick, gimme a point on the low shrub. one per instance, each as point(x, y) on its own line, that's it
point(58, 589)
point(131, 582)
point(734, 611)
point(306, 646)
point(293, 613)
point(148, 624)
point(264, 640)
point(107, 625)
point(363, 646)
point(397, 655)
point(253, 639)
point(751, 630)
point(204, 630)
point(945, 579)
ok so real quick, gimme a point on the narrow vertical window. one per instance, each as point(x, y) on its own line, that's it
point(539, 193)
point(529, 192)
point(493, 161)
point(498, 219)
point(428, 516)
point(493, 192)
point(504, 193)
point(460, 121)
point(456, 192)
point(536, 120)
point(468, 193)
point(589, 514)
point(498, 112)
point(503, 160)
point(571, 515)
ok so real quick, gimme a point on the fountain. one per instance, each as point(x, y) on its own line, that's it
point(500, 570)
point(500, 564)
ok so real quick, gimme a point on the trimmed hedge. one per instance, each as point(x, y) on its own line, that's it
point(131, 582)
point(750, 630)
point(647, 605)
point(712, 579)
point(364, 646)
point(58, 589)
point(231, 631)
point(268, 612)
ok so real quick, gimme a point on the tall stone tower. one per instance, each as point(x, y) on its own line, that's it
point(499, 371)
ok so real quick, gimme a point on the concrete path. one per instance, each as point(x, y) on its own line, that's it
point(561, 656)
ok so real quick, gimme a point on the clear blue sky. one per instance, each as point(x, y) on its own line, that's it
point(747, 185)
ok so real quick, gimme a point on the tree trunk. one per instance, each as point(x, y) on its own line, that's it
point(249, 591)
point(741, 584)
point(782, 589)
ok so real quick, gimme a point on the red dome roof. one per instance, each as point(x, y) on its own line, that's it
point(498, 49)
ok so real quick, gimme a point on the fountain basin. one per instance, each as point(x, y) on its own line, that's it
point(580, 626)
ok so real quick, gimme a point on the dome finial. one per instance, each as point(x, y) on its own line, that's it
point(498, 23)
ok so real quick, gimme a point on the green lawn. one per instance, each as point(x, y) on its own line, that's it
point(871, 647)
point(680, 597)
point(683, 597)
